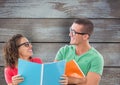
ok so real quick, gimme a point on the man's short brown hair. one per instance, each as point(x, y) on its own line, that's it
point(88, 25)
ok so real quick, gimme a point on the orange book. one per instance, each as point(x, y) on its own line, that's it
point(72, 69)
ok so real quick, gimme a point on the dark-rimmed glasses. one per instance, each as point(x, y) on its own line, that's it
point(26, 44)
point(74, 32)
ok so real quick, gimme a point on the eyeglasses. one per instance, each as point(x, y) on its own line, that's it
point(74, 32)
point(26, 44)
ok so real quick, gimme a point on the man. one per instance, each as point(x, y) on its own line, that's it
point(88, 58)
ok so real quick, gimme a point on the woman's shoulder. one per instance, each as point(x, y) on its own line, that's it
point(36, 60)
point(9, 69)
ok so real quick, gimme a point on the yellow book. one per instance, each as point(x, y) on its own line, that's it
point(72, 69)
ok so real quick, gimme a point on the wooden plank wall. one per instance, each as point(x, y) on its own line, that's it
point(46, 24)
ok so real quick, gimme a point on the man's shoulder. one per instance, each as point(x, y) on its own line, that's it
point(96, 54)
point(68, 47)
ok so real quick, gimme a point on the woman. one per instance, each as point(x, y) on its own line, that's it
point(17, 47)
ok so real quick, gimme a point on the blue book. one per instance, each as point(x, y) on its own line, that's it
point(41, 74)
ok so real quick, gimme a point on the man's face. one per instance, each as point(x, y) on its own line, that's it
point(76, 34)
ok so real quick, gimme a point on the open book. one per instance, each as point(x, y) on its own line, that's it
point(40, 74)
point(72, 69)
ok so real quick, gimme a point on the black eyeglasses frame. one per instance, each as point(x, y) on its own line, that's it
point(26, 44)
point(74, 32)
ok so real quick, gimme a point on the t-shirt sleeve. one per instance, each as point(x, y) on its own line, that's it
point(59, 55)
point(8, 75)
point(97, 65)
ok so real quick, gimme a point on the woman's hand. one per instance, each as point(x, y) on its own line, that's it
point(64, 80)
point(17, 79)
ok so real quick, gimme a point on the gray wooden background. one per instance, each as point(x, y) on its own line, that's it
point(46, 24)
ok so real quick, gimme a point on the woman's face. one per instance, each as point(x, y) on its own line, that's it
point(25, 49)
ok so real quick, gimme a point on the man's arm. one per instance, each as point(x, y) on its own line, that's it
point(92, 78)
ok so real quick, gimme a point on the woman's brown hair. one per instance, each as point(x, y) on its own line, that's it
point(10, 50)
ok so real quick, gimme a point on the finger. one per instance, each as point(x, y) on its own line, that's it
point(15, 76)
point(63, 82)
point(64, 78)
point(64, 75)
point(17, 79)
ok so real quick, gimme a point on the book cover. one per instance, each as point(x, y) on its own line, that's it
point(40, 74)
point(72, 69)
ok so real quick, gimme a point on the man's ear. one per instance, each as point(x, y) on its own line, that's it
point(86, 37)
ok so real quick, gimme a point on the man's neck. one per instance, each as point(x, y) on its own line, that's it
point(83, 48)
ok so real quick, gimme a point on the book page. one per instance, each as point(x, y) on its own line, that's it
point(41, 74)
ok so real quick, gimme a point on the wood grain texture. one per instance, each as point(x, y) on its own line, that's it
point(59, 8)
point(57, 30)
point(2, 77)
point(46, 24)
point(111, 76)
point(47, 52)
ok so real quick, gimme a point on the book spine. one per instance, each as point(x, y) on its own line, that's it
point(79, 68)
point(42, 68)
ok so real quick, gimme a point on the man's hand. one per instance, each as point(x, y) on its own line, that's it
point(71, 80)
point(76, 81)
point(64, 80)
